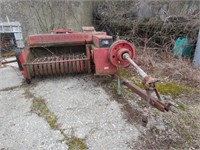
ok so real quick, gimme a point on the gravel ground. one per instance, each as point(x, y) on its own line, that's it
point(83, 109)
point(20, 129)
point(86, 111)
point(10, 77)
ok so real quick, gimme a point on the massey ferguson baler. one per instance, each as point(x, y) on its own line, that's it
point(68, 52)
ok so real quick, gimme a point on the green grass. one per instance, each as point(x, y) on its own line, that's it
point(171, 88)
point(75, 143)
point(182, 107)
point(40, 108)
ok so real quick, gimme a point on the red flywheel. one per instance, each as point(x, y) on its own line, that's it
point(117, 50)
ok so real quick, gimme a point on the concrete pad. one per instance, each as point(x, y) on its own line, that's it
point(20, 129)
point(86, 111)
point(10, 77)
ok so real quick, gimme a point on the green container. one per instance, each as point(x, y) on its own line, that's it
point(182, 47)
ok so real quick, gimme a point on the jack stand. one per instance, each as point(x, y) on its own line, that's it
point(119, 88)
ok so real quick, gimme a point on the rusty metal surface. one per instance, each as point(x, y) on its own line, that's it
point(69, 64)
point(55, 61)
point(40, 68)
point(62, 31)
point(66, 66)
point(62, 66)
point(55, 53)
point(78, 66)
point(142, 93)
point(102, 64)
point(58, 66)
point(45, 68)
point(88, 29)
point(98, 38)
point(59, 39)
point(148, 80)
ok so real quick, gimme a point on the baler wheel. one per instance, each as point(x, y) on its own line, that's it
point(28, 81)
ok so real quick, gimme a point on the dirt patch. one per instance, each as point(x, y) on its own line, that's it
point(130, 112)
point(10, 88)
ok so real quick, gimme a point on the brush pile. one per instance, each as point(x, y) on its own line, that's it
point(153, 24)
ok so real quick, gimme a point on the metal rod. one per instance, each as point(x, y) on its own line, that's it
point(138, 69)
point(119, 88)
point(69, 60)
point(7, 62)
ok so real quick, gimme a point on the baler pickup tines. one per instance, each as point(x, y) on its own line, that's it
point(61, 65)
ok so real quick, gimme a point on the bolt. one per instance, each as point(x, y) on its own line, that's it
point(125, 56)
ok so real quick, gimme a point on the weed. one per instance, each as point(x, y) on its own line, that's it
point(40, 108)
point(75, 143)
point(182, 106)
point(172, 89)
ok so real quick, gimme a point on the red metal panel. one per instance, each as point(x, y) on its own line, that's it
point(88, 29)
point(23, 59)
point(98, 37)
point(56, 39)
point(99, 33)
point(62, 31)
point(102, 64)
point(88, 56)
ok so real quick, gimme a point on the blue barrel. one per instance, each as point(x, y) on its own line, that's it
point(182, 47)
point(196, 59)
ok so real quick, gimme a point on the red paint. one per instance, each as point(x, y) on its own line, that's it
point(23, 59)
point(60, 39)
point(102, 64)
point(98, 37)
point(62, 31)
point(116, 51)
point(103, 58)
point(88, 29)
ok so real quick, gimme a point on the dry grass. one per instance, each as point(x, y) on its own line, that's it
point(182, 128)
point(164, 65)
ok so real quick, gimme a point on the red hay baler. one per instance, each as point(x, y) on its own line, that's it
point(69, 52)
